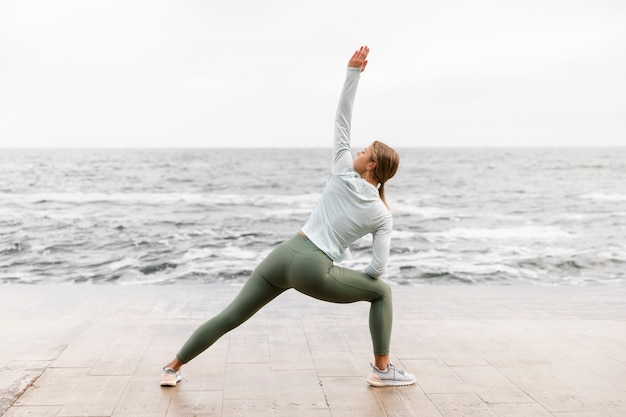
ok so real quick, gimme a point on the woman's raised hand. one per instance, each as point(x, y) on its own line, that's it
point(359, 58)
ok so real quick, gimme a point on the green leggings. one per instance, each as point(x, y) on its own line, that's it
point(298, 263)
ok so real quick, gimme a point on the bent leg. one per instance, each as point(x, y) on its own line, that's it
point(347, 284)
point(314, 275)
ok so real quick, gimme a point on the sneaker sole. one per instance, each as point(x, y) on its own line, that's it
point(170, 383)
point(383, 383)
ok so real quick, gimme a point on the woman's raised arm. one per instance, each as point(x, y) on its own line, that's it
point(342, 160)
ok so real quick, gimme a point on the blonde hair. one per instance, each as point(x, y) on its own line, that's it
point(387, 161)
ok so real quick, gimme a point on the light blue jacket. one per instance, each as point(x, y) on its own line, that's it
point(349, 207)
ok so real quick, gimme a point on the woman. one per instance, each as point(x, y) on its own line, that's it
point(351, 206)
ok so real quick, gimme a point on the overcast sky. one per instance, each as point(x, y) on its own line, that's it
point(206, 73)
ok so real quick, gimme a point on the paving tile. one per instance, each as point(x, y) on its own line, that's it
point(490, 385)
point(85, 350)
point(520, 410)
point(303, 413)
point(614, 410)
point(435, 377)
point(248, 408)
point(33, 411)
point(207, 373)
point(457, 405)
point(245, 347)
point(451, 346)
point(142, 397)
point(598, 392)
point(119, 358)
point(409, 401)
point(37, 339)
point(605, 368)
point(54, 387)
point(95, 396)
point(288, 346)
point(196, 404)
point(350, 396)
point(409, 338)
point(248, 381)
point(324, 335)
point(15, 377)
point(298, 390)
point(336, 364)
point(548, 391)
point(356, 333)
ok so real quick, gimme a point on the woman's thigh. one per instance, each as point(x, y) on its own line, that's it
point(318, 277)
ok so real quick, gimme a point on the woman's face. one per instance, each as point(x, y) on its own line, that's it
point(362, 160)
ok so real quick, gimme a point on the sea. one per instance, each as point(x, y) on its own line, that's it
point(475, 216)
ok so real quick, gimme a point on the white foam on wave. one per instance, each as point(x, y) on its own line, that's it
point(288, 212)
point(613, 253)
point(402, 234)
point(573, 216)
point(123, 263)
point(197, 253)
point(22, 278)
point(234, 252)
point(209, 199)
point(422, 211)
point(519, 233)
point(132, 277)
point(86, 198)
point(486, 269)
point(604, 196)
point(590, 216)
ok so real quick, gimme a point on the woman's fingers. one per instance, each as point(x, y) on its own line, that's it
point(359, 58)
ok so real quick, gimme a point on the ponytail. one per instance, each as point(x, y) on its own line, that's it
point(387, 161)
point(381, 193)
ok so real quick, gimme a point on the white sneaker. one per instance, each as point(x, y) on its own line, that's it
point(170, 377)
point(392, 377)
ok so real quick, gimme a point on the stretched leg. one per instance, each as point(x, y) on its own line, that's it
point(256, 293)
point(259, 290)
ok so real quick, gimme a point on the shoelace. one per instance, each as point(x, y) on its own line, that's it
point(392, 367)
point(171, 371)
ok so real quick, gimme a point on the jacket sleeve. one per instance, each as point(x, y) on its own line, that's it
point(342, 159)
point(381, 244)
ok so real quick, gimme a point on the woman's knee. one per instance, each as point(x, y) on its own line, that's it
point(384, 289)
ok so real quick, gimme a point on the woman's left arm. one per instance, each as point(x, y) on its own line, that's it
point(381, 245)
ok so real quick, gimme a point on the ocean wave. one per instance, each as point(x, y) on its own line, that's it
point(123, 263)
point(604, 196)
point(289, 212)
point(205, 199)
point(515, 233)
point(400, 234)
point(193, 254)
point(422, 211)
